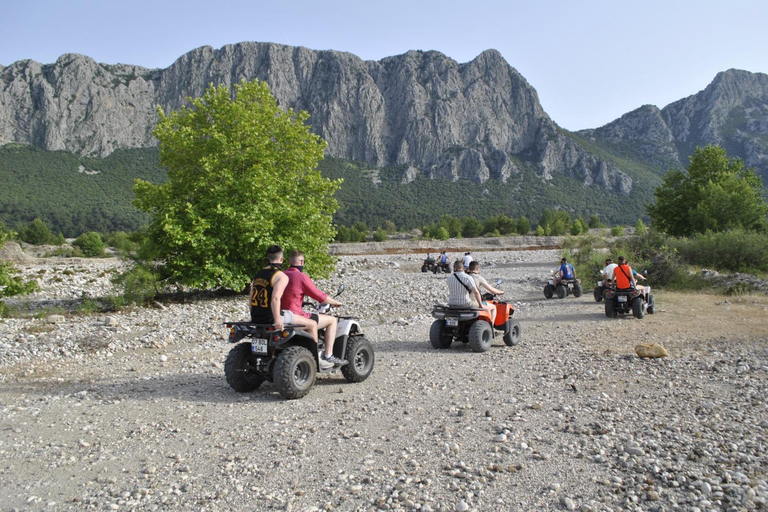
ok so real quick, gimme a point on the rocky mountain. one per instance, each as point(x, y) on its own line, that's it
point(731, 112)
point(423, 111)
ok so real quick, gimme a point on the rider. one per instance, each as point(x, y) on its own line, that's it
point(480, 281)
point(623, 277)
point(565, 271)
point(466, 260)
point(608, 271)
point(442, 260)
point(299, 285)
point(267, 288)
point(462, 288)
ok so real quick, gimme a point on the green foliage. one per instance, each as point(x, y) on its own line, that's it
point(640, 227)
point(539, 231)
point(11, 283)
point(121, 242)
point(594, 222)
point(713, 194)
point(390, 227)
point(441, 233)
point(555, 222)
point(380, 235)
point(72, 194)
point(90, 244)
point(617, 231)
point(523, 225)
point(576, 228)
point(241, 176)
point(735, 251)
point(471, 227)
point(37, 233)
point(140, 284)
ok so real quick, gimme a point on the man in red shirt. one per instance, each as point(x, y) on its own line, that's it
point(299, 285)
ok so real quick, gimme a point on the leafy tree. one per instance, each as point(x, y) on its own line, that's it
point(10, 282)
point(390, 227)
point(713, 194)
point(442, 233)
point(594, 222)
point(617, 231)
point(576, 228)
point(241, 176)
point(523, 225)
point(640, 227)
point(91, 244)
point(539, 231)
point(471, 227)
point(37, 233)
point(380, 235)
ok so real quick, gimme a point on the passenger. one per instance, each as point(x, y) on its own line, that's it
point(267, 288)
point(466, 260)
point(299, 285)
point(608, 271)
point(480, 281)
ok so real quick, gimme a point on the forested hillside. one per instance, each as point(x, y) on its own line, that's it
point(73, 194)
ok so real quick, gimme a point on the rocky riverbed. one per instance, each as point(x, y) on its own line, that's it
point(131, 411)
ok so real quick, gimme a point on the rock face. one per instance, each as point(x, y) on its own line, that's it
point(731, 112)
point(480, 120)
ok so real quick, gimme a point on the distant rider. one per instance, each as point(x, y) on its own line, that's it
point(565, 271)
point(466, 260)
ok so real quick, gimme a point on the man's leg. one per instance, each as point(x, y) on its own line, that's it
point(328, 323)
point(308, 325)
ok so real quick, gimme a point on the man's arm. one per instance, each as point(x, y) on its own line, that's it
point(278, 287)
point(488, 287)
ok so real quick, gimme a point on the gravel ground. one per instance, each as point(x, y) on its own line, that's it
point(131, 411)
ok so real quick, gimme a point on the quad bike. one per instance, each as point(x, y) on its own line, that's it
point(602, 286)
point(290, 358)
point(432, 265)
point(473, 325)
point(562, 287)
point(631, 300)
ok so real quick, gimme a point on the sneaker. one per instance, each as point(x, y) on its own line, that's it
point(325, 365)
point(334, 360)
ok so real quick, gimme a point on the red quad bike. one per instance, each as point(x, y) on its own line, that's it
point(562, 288)
point(289, 358)
point(473, 325)
point(622, 302)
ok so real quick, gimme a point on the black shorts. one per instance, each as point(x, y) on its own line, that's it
point(314, 317)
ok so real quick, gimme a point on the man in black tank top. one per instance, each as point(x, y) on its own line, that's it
point(267, 290)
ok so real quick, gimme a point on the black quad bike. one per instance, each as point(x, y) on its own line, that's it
point(625, 301)
point(562, 288)
point(432, 265)
point(473, 325)
point(290, 358)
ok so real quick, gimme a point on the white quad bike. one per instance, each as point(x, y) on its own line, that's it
point(562, 288)
point(290, 358)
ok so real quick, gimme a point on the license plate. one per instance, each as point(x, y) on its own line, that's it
point(259, 346)
point(451, 321)
point(622, 298)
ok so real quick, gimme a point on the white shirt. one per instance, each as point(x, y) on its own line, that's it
point(467, 259)
point(608, 271)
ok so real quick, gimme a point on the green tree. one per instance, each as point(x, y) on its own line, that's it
point(523, 225)
point(640, 227)
point(471, 227)
point(11, 283)
point(242, 175)
point(91, 244)
point(576, 228)
point(713, 194)
point(37, 233)
point(380, 235)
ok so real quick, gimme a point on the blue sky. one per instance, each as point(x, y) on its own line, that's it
point(590, 61)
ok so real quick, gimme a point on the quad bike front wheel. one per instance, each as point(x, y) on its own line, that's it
point(437, 336)
point(480, 336)
point(424, 268)
point(597, 293)
point(637, 307)
point(549, 291)
point(577, 290)
point(512, 336)
point(240, 369)
point(651, 305)
point(561, 291)
point(294, 372)
point(359, 358)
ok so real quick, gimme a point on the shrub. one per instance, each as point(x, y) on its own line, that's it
point(617, 231)
point(91, 244)
point(140, 284)
point(736, 251)
point(380, 235)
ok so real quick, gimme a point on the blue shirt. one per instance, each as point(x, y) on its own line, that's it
point(566, 271)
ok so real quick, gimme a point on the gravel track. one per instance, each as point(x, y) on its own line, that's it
point(131, 411)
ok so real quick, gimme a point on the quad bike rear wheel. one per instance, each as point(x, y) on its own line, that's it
point(597, 293)
point(651, 305)
point(610, 311)
point(437, 336)
point(512, 336)
point(549, 291)
point(359, 358)
point(480, 336)
point(240, 369)
point(637, 307)
point(561, 291)
point(294, 372)
point(577, 290)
